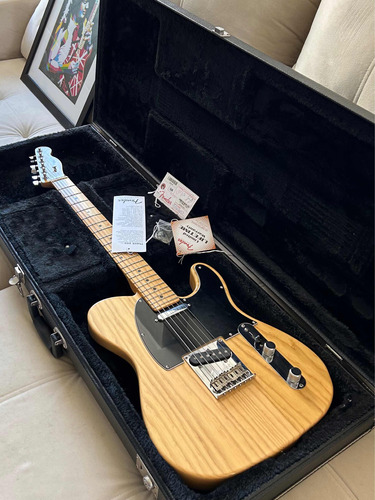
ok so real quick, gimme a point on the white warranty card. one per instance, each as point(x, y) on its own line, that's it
point(193, 235)
point(174, 195)
point(129, 224)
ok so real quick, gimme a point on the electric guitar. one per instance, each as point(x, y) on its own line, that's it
point(220, 391)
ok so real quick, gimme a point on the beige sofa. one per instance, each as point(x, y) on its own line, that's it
point(22, 116)
point(44, 454)
point(313, 36)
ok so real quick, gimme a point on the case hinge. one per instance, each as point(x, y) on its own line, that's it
point(17, 279)
point(148, 480)
point(218, 30)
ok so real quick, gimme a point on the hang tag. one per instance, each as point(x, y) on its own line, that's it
point(129, 224)
point(174, 195)
point(193, 235)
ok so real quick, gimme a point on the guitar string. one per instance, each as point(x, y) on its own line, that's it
point(76, 195)
point(182, 318)
point(169, 320)
point(130, 268)
point(207, 367)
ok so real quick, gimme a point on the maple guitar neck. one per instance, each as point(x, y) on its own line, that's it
point(142, 278)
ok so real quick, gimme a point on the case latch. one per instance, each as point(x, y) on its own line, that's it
point(17, 279)
point(148, 480)
point(58, 343)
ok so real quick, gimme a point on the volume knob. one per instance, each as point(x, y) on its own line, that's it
point(294, 376)
point(268, 351)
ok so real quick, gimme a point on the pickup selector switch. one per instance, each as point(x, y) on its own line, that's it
point(268, 351)
point(294, 377)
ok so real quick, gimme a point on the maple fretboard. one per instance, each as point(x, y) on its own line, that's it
point(142, 278)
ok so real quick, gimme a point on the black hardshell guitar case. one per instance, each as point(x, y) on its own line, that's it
point(284, 170)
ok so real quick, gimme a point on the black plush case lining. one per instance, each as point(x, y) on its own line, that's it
point(40, 225)
point(285, 174)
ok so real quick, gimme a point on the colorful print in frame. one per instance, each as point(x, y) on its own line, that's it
point(60, 70)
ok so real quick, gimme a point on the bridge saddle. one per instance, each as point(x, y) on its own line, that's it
point(218, 368)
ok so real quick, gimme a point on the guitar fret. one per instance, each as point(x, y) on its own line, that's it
point(79, 203)
point(66, 187)
point(138, 270)
point(83, 210)
point(98, 222)
point(98, 231)
point(156, 279)
point(146, 279)
point(160, 296)
point(145, 274)
point(102, 237)
point(133, 263)
point(74, 194)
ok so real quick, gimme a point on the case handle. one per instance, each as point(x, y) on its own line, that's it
point(53, 340)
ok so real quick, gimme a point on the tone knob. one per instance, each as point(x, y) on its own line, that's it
point(294, 376)
point(268, 351)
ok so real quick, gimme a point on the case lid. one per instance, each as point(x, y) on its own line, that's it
point(283, 167)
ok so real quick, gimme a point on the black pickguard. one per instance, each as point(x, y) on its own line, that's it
point(209, 306)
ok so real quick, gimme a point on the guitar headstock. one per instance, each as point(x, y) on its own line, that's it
point(45, 167)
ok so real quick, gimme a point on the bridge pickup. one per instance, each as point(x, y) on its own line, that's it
point(171, 312)
point(210, 356)
point(218, 368)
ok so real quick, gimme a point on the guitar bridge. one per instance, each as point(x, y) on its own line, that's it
point(218, 368)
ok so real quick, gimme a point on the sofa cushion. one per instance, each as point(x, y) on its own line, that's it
point(6, 270)
point(32, 28)
point(55, 440)
point(14, 16)
point(22, 116)
point(339, 50)
point(277, 28)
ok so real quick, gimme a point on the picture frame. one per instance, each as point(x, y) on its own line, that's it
point(60, 69)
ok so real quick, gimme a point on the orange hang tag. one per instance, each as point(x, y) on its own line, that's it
point(193, 235)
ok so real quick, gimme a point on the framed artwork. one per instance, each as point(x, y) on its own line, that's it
point(60, 69)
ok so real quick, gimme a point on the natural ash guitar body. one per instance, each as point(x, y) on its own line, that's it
point(208, 439)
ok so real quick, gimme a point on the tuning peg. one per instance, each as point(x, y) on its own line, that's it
point(36, 183)
point(35, 177)
point(34, 170)
point(33, 157)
